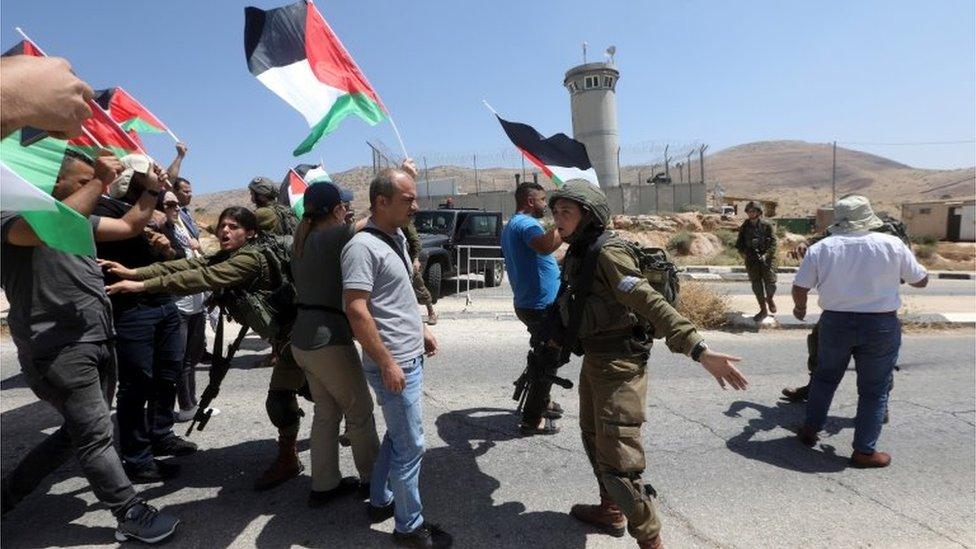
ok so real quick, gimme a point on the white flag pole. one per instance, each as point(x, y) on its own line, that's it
point(396, 131)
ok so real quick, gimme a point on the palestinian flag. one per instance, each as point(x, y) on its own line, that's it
point(293, 51)
point(24, 47)
point(298, 179)
point(100, 125)
point(29, 175)
point(129, 113)
point(559, 157)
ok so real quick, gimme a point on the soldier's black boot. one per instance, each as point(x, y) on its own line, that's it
point(286, 465)
point(797, 394)
point(606, 516)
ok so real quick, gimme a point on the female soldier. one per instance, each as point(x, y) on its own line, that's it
point(621, 306)
point(322, 345)
point(240, 264)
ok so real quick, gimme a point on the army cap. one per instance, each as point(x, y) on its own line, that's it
point(263, 186)
point(587, 195)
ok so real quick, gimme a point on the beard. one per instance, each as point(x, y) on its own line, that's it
point(539, 213)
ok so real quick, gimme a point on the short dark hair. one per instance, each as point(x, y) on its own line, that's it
point(178, 180)
point(70, 157)
point(242, 215)
point(523, 191)
point(383, 184)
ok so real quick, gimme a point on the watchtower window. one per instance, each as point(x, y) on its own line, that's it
point(574, 86)
point(607, 82)
point(591, 82)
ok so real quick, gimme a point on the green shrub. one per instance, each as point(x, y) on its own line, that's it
point(925, 251)
point(727, 237)
point(925, 240)
point(680, 243)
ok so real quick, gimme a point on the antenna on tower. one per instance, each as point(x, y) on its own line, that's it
point(610, 52)
point(584, 53)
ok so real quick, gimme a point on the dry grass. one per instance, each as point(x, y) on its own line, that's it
point(702, 305)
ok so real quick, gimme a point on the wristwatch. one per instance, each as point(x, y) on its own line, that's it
point(697, 350)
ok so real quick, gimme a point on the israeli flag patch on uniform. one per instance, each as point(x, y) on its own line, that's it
point(628, 283)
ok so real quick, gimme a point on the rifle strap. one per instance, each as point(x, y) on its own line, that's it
point(391, 243)
point(580, 293)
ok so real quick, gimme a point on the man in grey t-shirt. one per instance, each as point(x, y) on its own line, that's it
point(382, 310)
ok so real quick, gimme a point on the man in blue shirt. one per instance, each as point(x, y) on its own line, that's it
point(534, 275)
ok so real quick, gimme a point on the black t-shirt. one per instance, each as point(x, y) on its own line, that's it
point(133, 253)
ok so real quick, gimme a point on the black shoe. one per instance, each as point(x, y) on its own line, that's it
point(346, 486)
point(425, 536)
point(363, 491)
point(145, 523)
point(379, 514)
point(206, 357)
point(154, 471)
point(344, 440)
point(797, 394)
point(173, 446)
point(549, 427)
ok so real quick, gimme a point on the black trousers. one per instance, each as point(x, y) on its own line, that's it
point(545, 358)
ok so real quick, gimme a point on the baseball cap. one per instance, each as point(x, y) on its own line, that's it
point(322, 197)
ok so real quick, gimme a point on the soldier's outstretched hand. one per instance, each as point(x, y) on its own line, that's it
point(721, 366)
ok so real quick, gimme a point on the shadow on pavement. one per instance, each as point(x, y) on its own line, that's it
point(457, 494)
point(786, 452)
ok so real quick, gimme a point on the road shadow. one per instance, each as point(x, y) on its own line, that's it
point(786, 452)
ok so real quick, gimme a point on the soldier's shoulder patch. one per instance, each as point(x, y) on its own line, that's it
point(628, 283)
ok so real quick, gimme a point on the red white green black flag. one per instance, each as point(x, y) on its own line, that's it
point(293, 51)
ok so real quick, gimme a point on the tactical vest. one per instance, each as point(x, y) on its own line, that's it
point(267, 305)
point(287, 220)
point(602, 313)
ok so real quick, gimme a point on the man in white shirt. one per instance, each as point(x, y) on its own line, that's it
point(856, 274)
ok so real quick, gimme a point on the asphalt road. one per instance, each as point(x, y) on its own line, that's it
point(936, 287)
point(726, 465)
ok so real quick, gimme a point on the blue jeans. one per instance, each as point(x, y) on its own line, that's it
point(873, 340)
point(150, 357)
point(396, 473)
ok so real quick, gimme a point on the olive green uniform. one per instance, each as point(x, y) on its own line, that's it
point(413, 249)
point(757, 240)
point(246, 268)
point(613, 379)
point(269, 218)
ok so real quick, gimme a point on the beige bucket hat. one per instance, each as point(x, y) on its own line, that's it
point(852, 214)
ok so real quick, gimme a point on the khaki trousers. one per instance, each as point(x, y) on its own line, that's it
point(338, 387)
point(613, 397)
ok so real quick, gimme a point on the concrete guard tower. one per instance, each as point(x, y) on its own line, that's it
point(593, 101)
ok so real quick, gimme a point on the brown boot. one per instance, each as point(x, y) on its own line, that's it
point(606, 516)
point(868, 461)
point(653, 543)
point(285, 466)
point(771, 305)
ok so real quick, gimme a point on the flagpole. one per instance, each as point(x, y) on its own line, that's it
point(396, 131)
point(91, 103)
point(83, 128)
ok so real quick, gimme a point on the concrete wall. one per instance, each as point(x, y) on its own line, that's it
point(932, 218)
point(625, 199)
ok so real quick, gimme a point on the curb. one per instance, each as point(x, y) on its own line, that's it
point(744, 322)
point(694, 272)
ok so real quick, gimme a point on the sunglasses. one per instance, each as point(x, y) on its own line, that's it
point(169, 205)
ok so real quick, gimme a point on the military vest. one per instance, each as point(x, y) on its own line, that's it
point(267, 305)
point(602, 313)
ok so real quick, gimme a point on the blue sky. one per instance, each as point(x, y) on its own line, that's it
point(724, 73)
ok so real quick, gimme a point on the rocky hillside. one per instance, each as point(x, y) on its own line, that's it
point(796, 173)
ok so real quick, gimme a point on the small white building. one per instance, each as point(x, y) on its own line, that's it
point(952, 219)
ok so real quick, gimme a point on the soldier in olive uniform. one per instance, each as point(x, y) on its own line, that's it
point(757, 244)
point(620, 312)
point(240, 263)
point(273, 217)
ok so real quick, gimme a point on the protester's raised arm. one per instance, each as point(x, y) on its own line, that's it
point(174, 168)
point(42, 92)
point(134, 220)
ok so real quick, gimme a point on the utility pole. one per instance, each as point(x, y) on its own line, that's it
point(477, 187)
point(667, 170)
point(833, 177)
point(688, 163)
point(701, 162)
point(427, 179)
point(523, 165)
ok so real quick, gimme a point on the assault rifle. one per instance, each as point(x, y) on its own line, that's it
point(218, 370)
